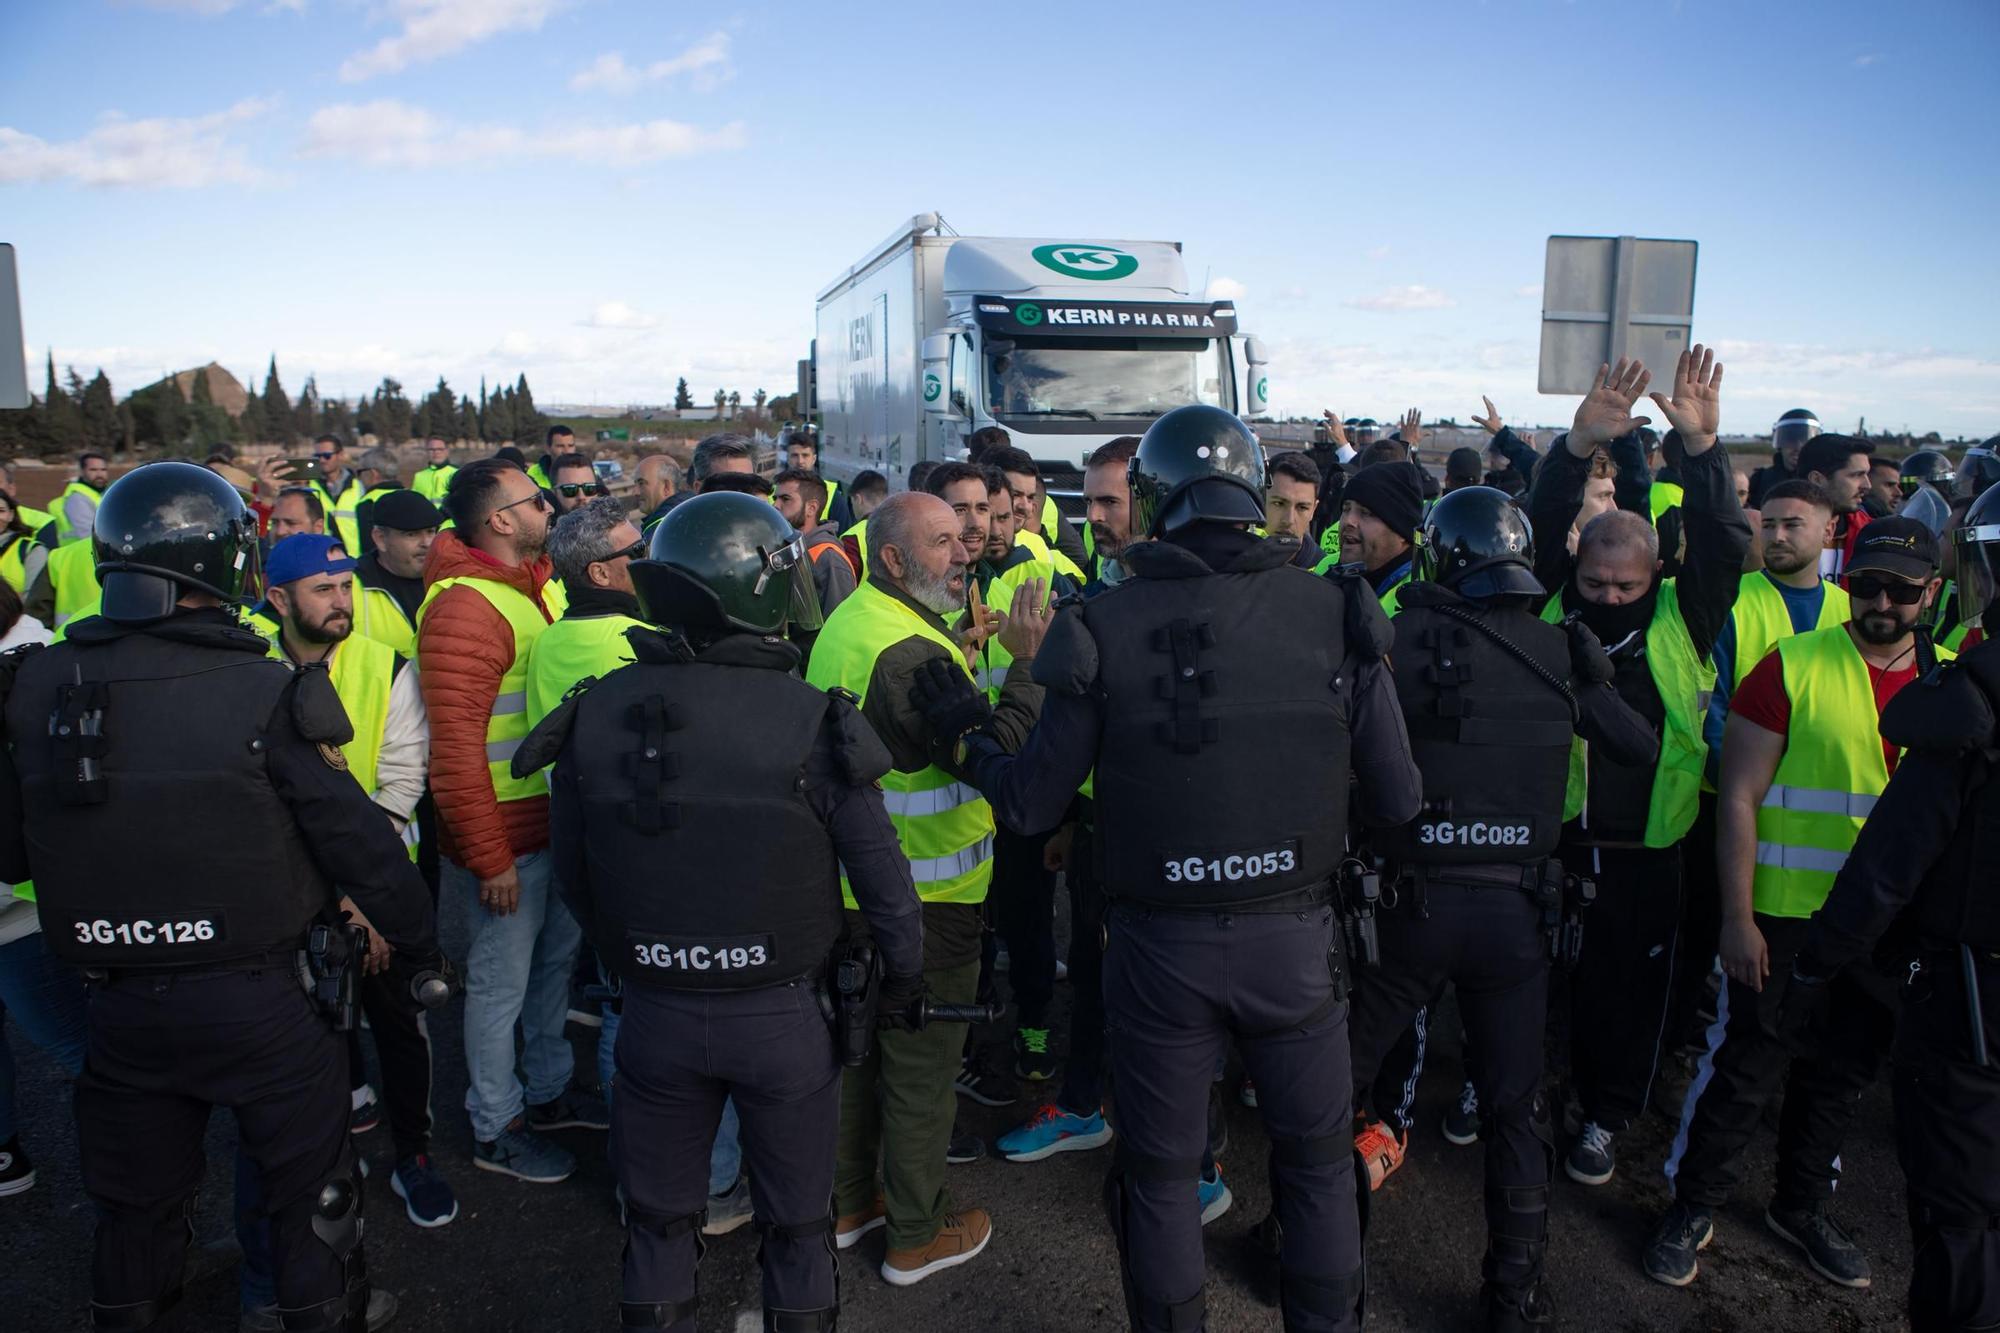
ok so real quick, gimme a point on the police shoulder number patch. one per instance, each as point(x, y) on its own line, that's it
point(333, 755)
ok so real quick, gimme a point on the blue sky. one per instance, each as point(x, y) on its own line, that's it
point(609, 194)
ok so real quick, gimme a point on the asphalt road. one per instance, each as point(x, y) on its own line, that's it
point(545, 1258)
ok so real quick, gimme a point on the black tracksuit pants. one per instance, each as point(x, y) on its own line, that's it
point(1178, 987)
point(1623, 978)
point(1948, 1140)
point(403, 1050)
point(1082, 1089)
point(167, 1048)
point(1488, 941)
point(1023, 897)
point(1746, 1064)
point(680, 1054)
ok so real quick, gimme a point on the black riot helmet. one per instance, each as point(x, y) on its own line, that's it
point(1978, 470)
point(1976, 543)
point(1194, 463)
point(726, 562)
point(167, 529)
point(1925, 467)
point(1476, 543)
point(1793, 429)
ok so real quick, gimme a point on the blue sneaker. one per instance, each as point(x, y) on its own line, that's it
point(1214, 1195)
point(574, 1109)
point(1052, 1130)
point(523, 1155)
point(426, 1197)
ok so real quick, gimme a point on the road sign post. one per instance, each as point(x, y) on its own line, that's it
point(1606, 297)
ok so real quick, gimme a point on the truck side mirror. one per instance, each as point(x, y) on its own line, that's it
point(1257, 379)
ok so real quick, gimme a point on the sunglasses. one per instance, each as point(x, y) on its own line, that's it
point(538, 499)
point(1866, 588)
point(322, 457)
point(636, 551)
point(569, 490)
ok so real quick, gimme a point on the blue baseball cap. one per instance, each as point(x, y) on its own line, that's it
point(303, 555)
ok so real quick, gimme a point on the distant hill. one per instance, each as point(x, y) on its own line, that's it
point(224, 388)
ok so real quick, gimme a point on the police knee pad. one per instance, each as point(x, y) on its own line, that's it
point(336, 1222)
point(134, 1315)
point(663, 1226)
point(794, 1232)
point(823, 1320)
point(1323, 1299)
point(1148, 1313)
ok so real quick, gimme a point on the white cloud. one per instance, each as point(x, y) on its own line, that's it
point(1225, 289)
point(618, 315)
point(155, 153)
point(1414, 297)
point(1533, 289)
point(1863, 62)
point(390, 133)
point(707, 60)
point(432, 29)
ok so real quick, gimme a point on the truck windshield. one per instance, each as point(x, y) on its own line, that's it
point(1102, 378)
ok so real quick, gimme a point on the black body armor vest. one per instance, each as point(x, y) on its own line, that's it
point(708, 869)
point(155, 835)
point(1490, 735)
point(1222, 776)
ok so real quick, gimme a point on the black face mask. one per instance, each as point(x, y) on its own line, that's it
point(1612, 624)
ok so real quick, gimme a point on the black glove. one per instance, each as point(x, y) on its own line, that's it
point(1799, 1011)
point(1587, 659)
point(948, 699)
point(896, 1008)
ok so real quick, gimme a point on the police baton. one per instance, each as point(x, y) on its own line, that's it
point(927, 1011)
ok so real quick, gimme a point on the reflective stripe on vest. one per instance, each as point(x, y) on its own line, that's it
point(379, 616)
point(1832, 772)
point(65, 533)
point(507, 720)
point(73, 575)
point(945, 827)
point(1685, 684)
point(341, 510)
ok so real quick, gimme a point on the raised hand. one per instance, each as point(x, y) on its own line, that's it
point(1695, 410)
point(1336, 430)
point(1412, 429)
point(1491, 421)
point(1606, 411)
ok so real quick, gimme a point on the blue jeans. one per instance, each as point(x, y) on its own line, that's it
point(45, 998)
point(725, 1159)
point(517, 971)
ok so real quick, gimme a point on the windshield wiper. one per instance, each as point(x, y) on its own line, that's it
point(1083, 412)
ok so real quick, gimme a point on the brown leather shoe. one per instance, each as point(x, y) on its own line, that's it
point(852, 1227)
point(962, 1236)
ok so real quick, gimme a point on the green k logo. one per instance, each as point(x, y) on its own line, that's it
point(1092, 263)
point(932, 388)
point(1263, 388)
point(1028, 314)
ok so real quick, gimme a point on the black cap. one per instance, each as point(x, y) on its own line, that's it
point(1464, 465)
point(405, 511)
point(1393, 492)
point(1899, 546)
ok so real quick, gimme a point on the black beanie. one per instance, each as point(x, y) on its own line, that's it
point(1392, 493)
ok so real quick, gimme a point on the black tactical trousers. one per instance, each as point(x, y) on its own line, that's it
point(1023, 898)
point(1746, 1064)
point(1082, 1088)
point(1620, 988)
point(403, 1051)
point(1178, 986)
point(680, 1054)
point(1487, 940)
point(166, 1048)
point(1948, 1141)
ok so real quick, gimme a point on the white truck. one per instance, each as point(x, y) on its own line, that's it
point(1064, 343)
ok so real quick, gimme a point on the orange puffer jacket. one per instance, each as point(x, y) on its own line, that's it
point(464, 648)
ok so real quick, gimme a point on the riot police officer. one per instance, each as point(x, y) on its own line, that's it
point(700, 798)
point(183, 806)
point(1492, 696)
point(1925, 859)
point(1175, 685)
point(1926, 467)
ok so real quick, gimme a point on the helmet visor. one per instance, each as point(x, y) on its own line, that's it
point(1979, 469)
point(790, 563)
point(1937, 481)
point(1978, 552)
point(1928, 508)
point(1792, 434)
